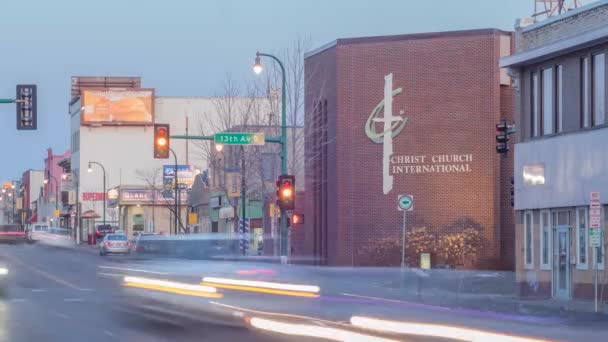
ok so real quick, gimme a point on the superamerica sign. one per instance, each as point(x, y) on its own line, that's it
point(92, 196)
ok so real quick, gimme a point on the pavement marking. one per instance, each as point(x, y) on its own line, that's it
point(110, 274)
point(108, 333)
point(376, 298)
point(45, 274)
point(72, 300)
point(38, 290)
point(87, 290)
point(18, 300)
point(133, 270)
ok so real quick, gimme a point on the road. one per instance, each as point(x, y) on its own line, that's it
point(67, 294)
point(59, 295)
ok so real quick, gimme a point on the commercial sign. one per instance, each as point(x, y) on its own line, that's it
point(226, 212)
point(185, 177)
point(239, 138)
point(92, 196)
point(392, 126)
point(117, 106)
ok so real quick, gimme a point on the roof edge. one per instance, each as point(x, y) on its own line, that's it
point(320, 49)
point(409, 36)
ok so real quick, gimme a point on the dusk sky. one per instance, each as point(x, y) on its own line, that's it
point(185, 48)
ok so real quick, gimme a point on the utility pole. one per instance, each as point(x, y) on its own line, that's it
point(243, 197)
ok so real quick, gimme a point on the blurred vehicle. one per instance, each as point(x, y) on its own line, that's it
point(37, 231)
point(12, 234)
point(115, 244)
point(3, 278)
point(191, 246)
point(102, 230)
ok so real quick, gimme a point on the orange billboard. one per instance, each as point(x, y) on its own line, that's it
point(117, 106)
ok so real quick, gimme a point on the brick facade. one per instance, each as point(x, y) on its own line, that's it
point(452, 99)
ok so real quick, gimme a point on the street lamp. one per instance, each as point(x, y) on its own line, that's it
point(219, 147)
point(90, 169)
point(45, 181)
point(257, 68)
point(3, 191)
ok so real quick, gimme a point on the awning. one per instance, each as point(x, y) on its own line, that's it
point(90, 214)
point(33, 219)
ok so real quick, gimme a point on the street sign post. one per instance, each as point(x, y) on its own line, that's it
point(405, 203)
point(595, 234)
point(239, 138)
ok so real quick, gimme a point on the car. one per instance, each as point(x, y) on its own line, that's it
point(102, 230)
point(115, 244)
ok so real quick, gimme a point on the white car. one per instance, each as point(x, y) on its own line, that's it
point(115, 244)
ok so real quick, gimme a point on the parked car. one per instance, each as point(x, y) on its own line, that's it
point(115, 244)
point(102, 230)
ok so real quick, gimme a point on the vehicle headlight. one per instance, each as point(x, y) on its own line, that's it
point(3, 271)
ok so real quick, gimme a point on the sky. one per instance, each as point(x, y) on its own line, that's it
point(185, 47)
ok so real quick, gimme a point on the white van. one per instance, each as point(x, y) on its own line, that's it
point(38, 231)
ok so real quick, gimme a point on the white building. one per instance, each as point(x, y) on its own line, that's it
point(103, 131)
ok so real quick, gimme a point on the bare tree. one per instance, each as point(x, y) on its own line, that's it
point(153, 179)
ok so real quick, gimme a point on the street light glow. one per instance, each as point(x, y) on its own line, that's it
point(45, 181)
point(257, 67)
point(219, 147)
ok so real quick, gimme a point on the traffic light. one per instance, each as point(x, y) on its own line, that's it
point(297, 219)
point(502, 137)
point(286, 191)
point(161, 141)
point(26, 104)
point(512, 191)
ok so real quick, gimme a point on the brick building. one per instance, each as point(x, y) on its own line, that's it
point(442, 93)
point(559, 71)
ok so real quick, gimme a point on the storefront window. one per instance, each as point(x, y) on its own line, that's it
point(545, 240)
point(528, 240)
point(581, 238)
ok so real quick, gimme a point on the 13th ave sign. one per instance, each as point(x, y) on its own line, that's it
point(239, 138)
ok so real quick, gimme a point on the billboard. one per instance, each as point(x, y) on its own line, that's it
point(117, 106)
point(185, 176)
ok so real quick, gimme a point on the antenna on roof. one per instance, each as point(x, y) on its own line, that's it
point(544, 9)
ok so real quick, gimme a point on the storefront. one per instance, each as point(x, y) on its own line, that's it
point(142, 209)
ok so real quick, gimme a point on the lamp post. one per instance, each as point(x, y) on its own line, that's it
point(104, 187)
point(257, 68)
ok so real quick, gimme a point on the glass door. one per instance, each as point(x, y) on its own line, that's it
point(561, 262)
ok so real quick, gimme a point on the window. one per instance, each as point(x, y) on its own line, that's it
point(545, 240)
point(534, 174)
point(528, 240)
point(582, 238)
point(599, 89)
point(534, 125)
point(559, 98)
point(585, 110)
point(547, 107)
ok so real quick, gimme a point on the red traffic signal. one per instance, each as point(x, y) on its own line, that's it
point(297, 219)
point(286, 192)
point(161, 141)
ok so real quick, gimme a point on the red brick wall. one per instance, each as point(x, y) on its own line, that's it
point(452, 99)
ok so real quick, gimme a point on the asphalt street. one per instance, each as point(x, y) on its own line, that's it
point(56, 294)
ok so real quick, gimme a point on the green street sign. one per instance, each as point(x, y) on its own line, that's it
point(595, 237)
point(239, 138)
point(405, 202)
